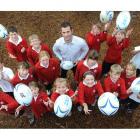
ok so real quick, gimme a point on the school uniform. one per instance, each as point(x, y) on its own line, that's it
point(82, 67)
point(15, 49)
point(114, 52)
point(88, 94)
point(33, 55)
point(94, 41)
point(5, 99)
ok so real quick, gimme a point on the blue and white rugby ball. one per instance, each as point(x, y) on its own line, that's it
point(106, 16)
point(62, 106)
point(3, 32)
point(108, 104)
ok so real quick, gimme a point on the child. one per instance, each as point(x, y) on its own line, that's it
point(117, 43)
point(129, 76)
point(88, 89)
point(90, 64)
point(115, 84)
point(61, 86)
point(6, 74)
point(39, 104)
point(7, 103)
point(16, 45)
point(35, 47)
point(47, 69)
point(24, 74)
point(94, 38)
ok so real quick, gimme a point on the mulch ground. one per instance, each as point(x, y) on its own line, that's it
point(47, 26)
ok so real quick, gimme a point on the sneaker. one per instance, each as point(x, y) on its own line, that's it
point(79, 108)
point(32, 121)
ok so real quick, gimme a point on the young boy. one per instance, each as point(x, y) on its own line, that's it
point(95, 37)
point(24, 74)
point(89, 64)
point(34, 49)
point(117, 43)
point(6, 74)
point(16, 45)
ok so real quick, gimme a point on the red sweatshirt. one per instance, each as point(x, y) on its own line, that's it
point(5, 99)
point(94, 41)
point(114, 52)
point(87, 94)
point(16, 79)
point(48, 74)
point(33, 56)
point(118, 87)
point(82, 68)
point(38, 106)
point(16, 50)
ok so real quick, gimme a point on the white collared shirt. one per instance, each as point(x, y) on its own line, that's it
point(73, 51)
point(16, 43)
point(44, 65)
point(23, 78)
point(93, 67)
point(37, 51)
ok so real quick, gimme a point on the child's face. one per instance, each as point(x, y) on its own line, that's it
point(91, 62)
point(129, 71)
point(95, 29)
point(44, 60)
point(114, 76)
point(34, 90)
point(89, 80)
point(119, 36)
point(13, 36)
point(35, 43)
point(61, 88)
point(23, 72)
point(67, 33)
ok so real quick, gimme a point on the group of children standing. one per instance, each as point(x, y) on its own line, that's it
point(39, 67)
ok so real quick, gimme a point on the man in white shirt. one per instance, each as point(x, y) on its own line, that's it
point(6, 74)
point(69, 47)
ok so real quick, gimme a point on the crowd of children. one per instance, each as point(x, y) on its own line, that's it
point(39, 68)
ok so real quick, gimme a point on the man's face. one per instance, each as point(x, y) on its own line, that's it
point(67, 33)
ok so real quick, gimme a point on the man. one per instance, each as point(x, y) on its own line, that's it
point(69, 47)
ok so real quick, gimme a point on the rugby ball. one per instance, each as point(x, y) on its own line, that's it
point(123, 20)
point(62, 106)
point(135, 86)
point(108, 103)
point(136, 60)
point(67, 65)
point(23, 94)
point(3, 32)
point(106, 16)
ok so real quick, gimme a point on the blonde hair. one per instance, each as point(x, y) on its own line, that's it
point(33, 84)
point(116, 69)
point(62, 81)
point(97, 24)
point(33, 36)
point(132, 66)
point(43, 53)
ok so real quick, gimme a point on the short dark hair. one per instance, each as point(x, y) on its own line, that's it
point(93, 54)
point(12, 29)
point(66, 24)
point(24, 65)
point(88, 73)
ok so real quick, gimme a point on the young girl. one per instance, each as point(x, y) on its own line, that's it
point(34, 49)
point(61, 86)
point(94, 38)
point(88, 89)
point(90, 64)
point(47, 69)
point(39, 104)
point(117, 43)
point(24, 74)
point(16, 45)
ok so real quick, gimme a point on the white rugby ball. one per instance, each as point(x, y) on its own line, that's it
point(136, 60)
point(62, 106)
point(106, 16)
point(108, 103)
point(123, 20)
point(3, 32)
point(67, 65)
point(135, 86)
point(23, 94)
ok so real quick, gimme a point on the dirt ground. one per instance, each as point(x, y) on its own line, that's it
point(47, 26)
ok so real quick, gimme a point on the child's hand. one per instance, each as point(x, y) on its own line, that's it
point(107, 26)
point(129, 91)
point(114, 31)
point(23, 50)
point(18, 110)
point(5, 107)
point(129, 32)
point(12, 56)
point(115, 93)
point(138, 96)
point(86, 109)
